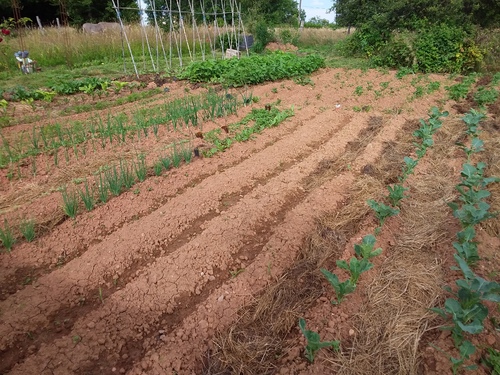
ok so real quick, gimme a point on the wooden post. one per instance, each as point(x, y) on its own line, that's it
point(39, 23)
point(58, 24)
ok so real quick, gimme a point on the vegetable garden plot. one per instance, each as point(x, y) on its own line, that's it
point(174, 253)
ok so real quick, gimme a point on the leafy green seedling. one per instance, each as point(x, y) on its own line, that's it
point(6, 236)
point(492, 360)
point(396, 194)
point(471, 214)
point(473, 176)
point(341, 288)
point(355, 267)
point(467, 312)
point(382, 211)
point(409, 167)
point(27, 228)
point(70, 203)
point(466, 349)
point(472, 120)
point(365, 249)
point(314, 342)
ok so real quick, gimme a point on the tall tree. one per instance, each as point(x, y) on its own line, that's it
point(409, 14)
point(79, 11)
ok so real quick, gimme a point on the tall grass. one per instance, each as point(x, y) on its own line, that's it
point(53, 46)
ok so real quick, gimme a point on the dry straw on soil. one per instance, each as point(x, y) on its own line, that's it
point(492, 154)
point(332, 167)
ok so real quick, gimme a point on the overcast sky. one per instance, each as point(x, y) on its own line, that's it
point(318, 8)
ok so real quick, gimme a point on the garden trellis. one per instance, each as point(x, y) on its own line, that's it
point(178, 32)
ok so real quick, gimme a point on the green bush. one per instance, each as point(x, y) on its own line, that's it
point(396, 53)
point(262, 37)
point(444, 48)
point(288, 36)
point(253, 69)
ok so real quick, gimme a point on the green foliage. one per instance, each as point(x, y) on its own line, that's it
point(70, 203)
point(176, 157)
point(158, 168)
point(341, 288)
point(355, 268)
point(87, 197)
point(319, 23)
point(466, 310)
point(382, 211)
point(253, 69)
point(314, 342)
point(396, 194)
point(126, 174)
point(166, 161)
point(460, 90)
point(187, 154)
point(103, 190)
point(6, 236)
point(492, 360)
point(289, 36)
point(261, 118)
point(442, 48)
point(472, 120)
point(140, 168)
point(27, 228)
point(262, 37)
point(466, 349)
point(114, 181)
point(365, 249)
point(485, 96)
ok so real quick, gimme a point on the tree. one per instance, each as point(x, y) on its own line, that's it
point(79, 11)
point(411, 14)
point(272, 12)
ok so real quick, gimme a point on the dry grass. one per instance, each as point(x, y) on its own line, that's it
point(492, 159)
point(322, 36)
point(52, 46)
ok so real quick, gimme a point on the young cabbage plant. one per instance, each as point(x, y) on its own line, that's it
point(396, 194)
point(472, 120)
point(365, 249)
point(382, 211)
point(408, 168)
point(314, 342)
point(471, 214)
point(341, 288)
point(355, 267)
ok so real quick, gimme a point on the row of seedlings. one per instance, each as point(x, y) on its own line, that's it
point(179, 113)
point(117, 179)
point(465, 310)
point(366, 250)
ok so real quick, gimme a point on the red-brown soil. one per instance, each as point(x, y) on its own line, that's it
point(146, 282)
